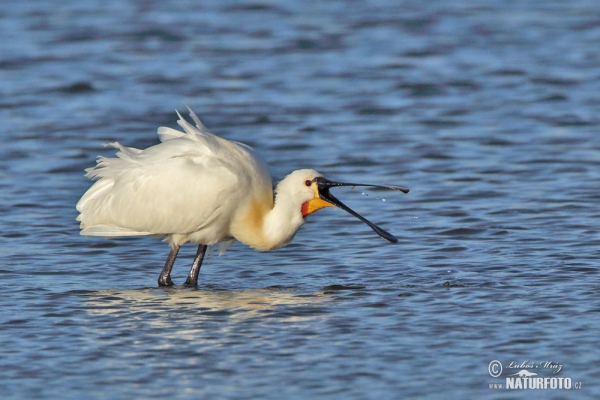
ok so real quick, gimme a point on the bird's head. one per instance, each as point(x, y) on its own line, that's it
point(313, 191)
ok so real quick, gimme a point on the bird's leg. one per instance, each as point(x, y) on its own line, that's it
point(192, 279)
point(165, 276)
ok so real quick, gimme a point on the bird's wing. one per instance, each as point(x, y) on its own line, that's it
point(192, 182)
point(180, 195)
point(174, 187)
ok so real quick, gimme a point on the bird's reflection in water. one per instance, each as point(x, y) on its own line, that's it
point(169, 305)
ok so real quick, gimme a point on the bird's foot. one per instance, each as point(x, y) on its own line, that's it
point(165, 281)
point(189, 282)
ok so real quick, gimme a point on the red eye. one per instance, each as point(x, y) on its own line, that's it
point(308, 182)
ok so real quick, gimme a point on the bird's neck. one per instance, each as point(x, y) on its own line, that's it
point(283, 221)
point(269, 226)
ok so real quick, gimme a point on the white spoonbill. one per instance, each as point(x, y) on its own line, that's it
point(199, 188)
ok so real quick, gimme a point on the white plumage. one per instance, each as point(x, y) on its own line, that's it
point(196, 187)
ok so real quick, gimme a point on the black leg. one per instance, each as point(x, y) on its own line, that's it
point(192, 279)
point(165, 276)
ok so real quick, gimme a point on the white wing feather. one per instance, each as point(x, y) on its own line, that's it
point(186, 185)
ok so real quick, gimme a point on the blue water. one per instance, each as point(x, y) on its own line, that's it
point(488, 111)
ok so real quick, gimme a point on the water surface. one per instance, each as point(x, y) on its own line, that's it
point(488, 111)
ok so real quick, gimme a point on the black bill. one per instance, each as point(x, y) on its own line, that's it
point(325, 184)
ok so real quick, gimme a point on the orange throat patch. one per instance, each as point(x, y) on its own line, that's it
point(313, 205)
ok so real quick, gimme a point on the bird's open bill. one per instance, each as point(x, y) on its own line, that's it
point(324, 198)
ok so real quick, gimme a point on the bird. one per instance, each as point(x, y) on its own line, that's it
point(196, 187)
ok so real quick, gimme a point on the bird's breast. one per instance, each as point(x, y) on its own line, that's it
point(248, 226)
